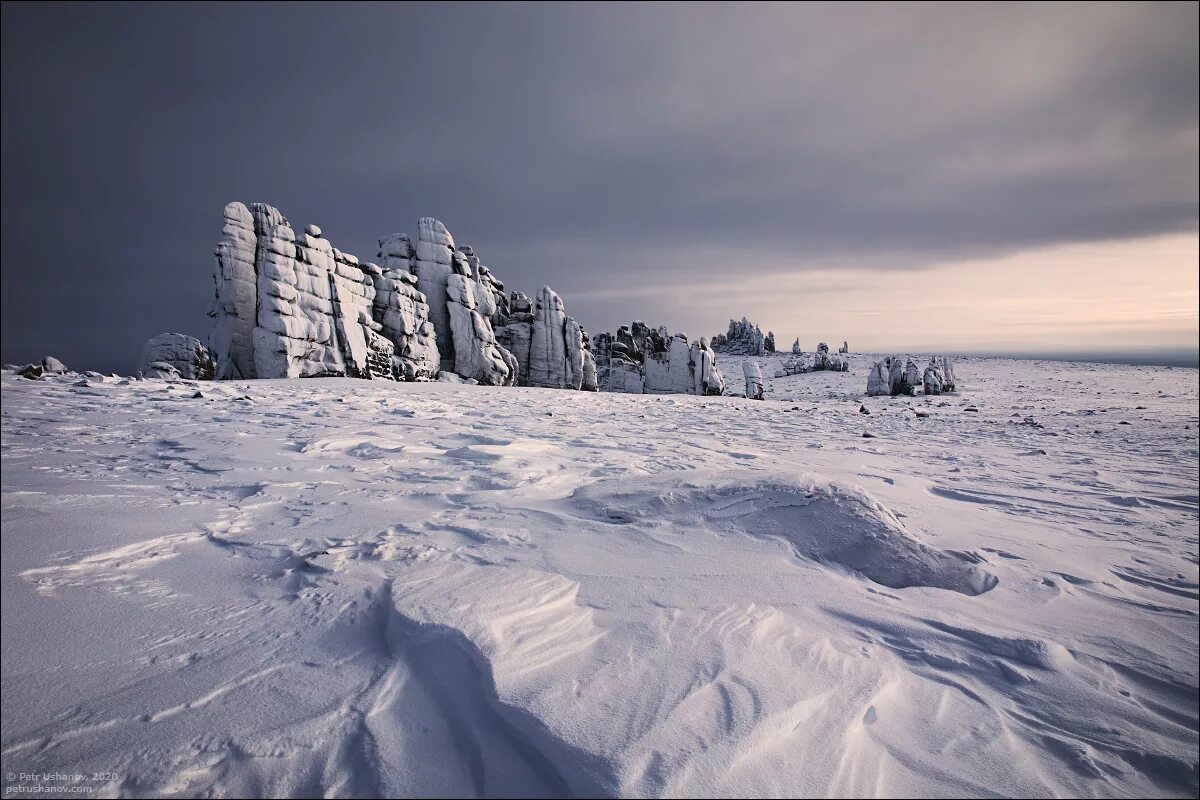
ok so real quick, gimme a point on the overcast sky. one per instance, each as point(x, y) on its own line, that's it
point(1017, 177)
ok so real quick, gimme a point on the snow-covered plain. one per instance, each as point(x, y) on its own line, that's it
point(340, 587)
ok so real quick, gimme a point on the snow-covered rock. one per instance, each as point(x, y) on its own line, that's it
point(52, 365)
point(707, 378)
point(234, 306)
point(476, 354)
point(939, 376)
point(823, 360)
point(161, 370)
point(312, 310)
point(639, 358)
point(879, 382)
point(556, 351)
point(793, 366)
point(367, 352)
point(754, 380)
point(671, 372)
point(743, 338)
point(434, 257)
point(591, 382)
point(893, 376)
point(402, 312)
point(187, 354)
point(295, 336)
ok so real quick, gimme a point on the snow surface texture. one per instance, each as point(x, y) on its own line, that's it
point(347, 588)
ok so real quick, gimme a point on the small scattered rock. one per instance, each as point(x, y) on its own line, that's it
point(868, 435)
point(32, 371)
point(862, 409)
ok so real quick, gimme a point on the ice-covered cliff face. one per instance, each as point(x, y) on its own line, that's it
point(289, 305)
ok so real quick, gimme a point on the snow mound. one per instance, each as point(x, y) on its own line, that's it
point(833, 524)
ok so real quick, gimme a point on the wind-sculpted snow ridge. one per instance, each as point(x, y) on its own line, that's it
point(291, 305)
point(828, 523)
point(347, 588)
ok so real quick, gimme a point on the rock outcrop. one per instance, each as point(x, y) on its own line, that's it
point(939, 376)
point(879, 382)
point(640, 359)
point(743, 338)
point(754, 380)
point(556, 344)
point(52, 365)
point(793, 366)
point(823, 360)
point(234, 308)
point(433, 268)
point(402, 311)
point(298, 324)
point(796, 351)
point(477, 356)
point(845, 348)
point(895, 376)
point(187, 355)
point(289, 305)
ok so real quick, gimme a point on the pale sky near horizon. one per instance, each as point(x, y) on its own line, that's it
point(1012, 177)
point(1130, 294)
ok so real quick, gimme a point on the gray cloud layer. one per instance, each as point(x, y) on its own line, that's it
point(588, 147)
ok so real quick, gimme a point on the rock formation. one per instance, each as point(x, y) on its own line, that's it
point(793, 366)
point(769, 342)
point(433, 268)
point(641, 359)
point(555, 350)
point(845, 348)
point(52, 365)
point(297, 335)
point(796, 351)
point(187, 355)
point(893, 376)
point(823, 360)
point(235, 305)
point(879, 381)
point(741, 339)
point(402, 311)
point(939, 376)
point(295, 306)
point(476, 354)
point(754, 380)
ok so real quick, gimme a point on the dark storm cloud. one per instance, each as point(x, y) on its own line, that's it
point(588, 147)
